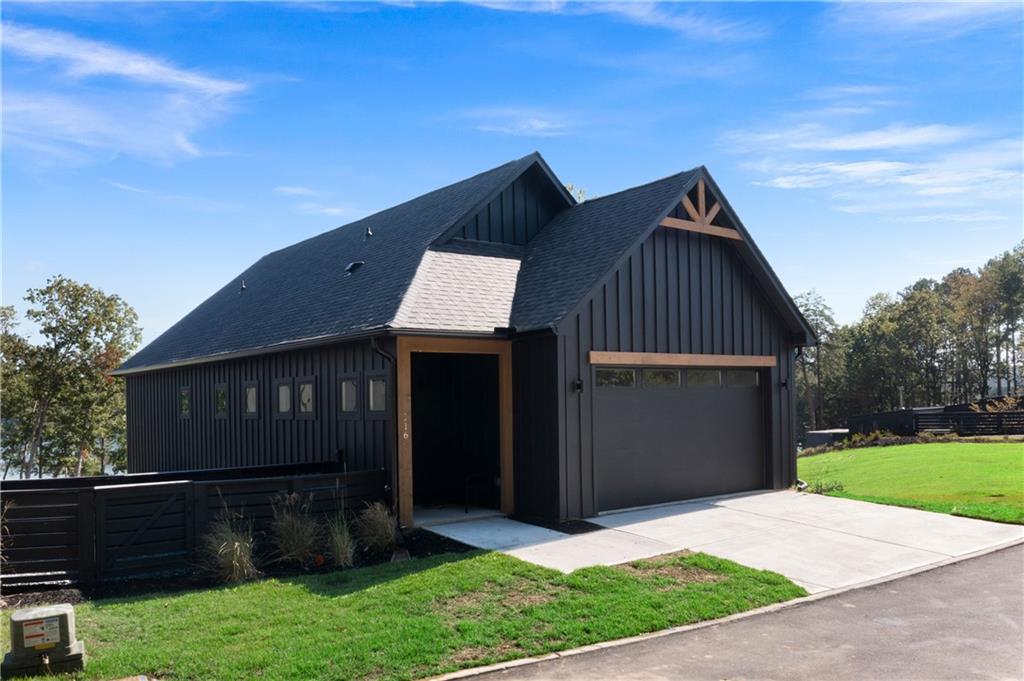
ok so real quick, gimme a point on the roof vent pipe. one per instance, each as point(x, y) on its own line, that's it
point(355, 265)
point(242, 286)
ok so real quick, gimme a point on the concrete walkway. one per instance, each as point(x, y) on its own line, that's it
point(819, 542)
point(962, 621)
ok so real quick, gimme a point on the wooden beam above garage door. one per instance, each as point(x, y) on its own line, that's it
point(676, 359)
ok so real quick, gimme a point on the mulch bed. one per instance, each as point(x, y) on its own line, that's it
point(568, 526)
point(34, 598)
point(419, 543)
point(423, 543)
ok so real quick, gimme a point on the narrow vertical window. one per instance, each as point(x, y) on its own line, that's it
point(347, 395)
point(378, 395)
point(220, 400)
point(305, 397)
point(284, 399)
point(184, 402)
point(250, 400)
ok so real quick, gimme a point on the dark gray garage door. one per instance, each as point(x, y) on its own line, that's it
point(668, 434)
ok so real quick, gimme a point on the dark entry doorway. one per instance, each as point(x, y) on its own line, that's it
point(456, 435)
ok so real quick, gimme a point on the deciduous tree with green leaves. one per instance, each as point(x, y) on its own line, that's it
point(69, 406)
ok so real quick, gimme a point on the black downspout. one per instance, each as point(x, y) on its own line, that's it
point(393, 381)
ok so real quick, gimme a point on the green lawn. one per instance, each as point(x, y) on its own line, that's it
point(980, 480)
point(410, 619)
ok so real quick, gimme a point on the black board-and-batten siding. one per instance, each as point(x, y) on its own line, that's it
point(676, 292)
point(161, 439)
point(516, 214)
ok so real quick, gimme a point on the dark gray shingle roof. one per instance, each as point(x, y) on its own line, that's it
point(582, 244)
point(415, 277)
point(302, 292)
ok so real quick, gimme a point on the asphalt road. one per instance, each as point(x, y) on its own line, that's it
point(962, 621)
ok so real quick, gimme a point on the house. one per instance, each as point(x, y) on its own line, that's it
point(494, 343)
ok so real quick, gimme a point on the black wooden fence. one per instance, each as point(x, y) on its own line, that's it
point(911, 422)
point(973, 423)
point(93, 530)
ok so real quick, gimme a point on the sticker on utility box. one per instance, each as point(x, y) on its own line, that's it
point(41, 632)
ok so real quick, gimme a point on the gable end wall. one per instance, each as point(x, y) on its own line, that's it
point(677, 292)
point(517, 214)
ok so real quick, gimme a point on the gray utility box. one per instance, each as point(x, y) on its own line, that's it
point(43, 641)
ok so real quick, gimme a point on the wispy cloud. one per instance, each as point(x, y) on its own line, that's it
point(818, 137)
point(924, 20)
point(519, 121)
point(99, 100)
point(966, 182)
point(979, 216)
point(294, 190)
point(182, 201)
point(85, 58)
point(683, 20)
point(847, 91)
point(897, 171)
point(310, 201)
point(336, 210)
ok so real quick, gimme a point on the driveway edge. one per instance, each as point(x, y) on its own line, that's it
point(775, 607)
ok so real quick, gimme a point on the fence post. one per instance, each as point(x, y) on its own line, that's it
point(102, 550)
point(87, 535)
point(191, 524)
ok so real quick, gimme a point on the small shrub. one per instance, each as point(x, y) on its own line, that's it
point(377, 528)
point(294, 532)
point(824, 486)
point(883, 438)
point(341, 545)
point(226, 550)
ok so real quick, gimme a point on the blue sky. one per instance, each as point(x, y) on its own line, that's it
point(157, 150)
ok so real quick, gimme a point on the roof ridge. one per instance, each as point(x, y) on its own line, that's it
point(641, 186)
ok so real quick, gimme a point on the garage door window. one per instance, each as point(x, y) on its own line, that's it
point(741, 378)
point(661, 377)
point(616, 378)
point(696, 378)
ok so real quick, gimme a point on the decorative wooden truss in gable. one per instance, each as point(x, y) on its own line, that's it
point(701, 217)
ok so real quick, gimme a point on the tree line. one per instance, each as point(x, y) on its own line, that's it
point(63, 413)
point(952, 341)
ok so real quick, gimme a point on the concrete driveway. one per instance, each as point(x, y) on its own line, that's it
point(819, 542)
